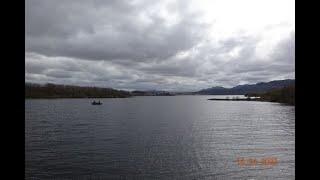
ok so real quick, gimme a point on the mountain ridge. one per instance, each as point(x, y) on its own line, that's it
point(259, 87)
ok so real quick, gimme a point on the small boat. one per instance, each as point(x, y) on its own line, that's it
point(96, 103)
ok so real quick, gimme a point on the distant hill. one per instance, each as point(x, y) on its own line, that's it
point(68, 91)
point(151, 93)
point(248, 88)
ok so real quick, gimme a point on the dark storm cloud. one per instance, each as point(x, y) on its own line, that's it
point(144, 45)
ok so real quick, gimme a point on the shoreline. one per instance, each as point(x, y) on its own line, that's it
point(249, 99)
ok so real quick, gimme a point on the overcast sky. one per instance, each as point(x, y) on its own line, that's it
point(181, 45)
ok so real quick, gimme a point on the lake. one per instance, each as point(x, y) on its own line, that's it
point(153, 137)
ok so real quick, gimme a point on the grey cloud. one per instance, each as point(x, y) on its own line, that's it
point(130, 45)
point(58, 73)
point(111, 31)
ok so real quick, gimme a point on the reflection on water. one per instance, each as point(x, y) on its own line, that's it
point(177, 137)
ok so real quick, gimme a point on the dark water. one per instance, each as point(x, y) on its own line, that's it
point(180, 137)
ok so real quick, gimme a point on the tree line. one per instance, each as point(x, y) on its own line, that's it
point(282, 95)
point(68, 91)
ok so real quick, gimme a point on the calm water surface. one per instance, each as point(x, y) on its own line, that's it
point(174, 137)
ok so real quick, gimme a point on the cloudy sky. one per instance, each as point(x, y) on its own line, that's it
point(181, 45)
